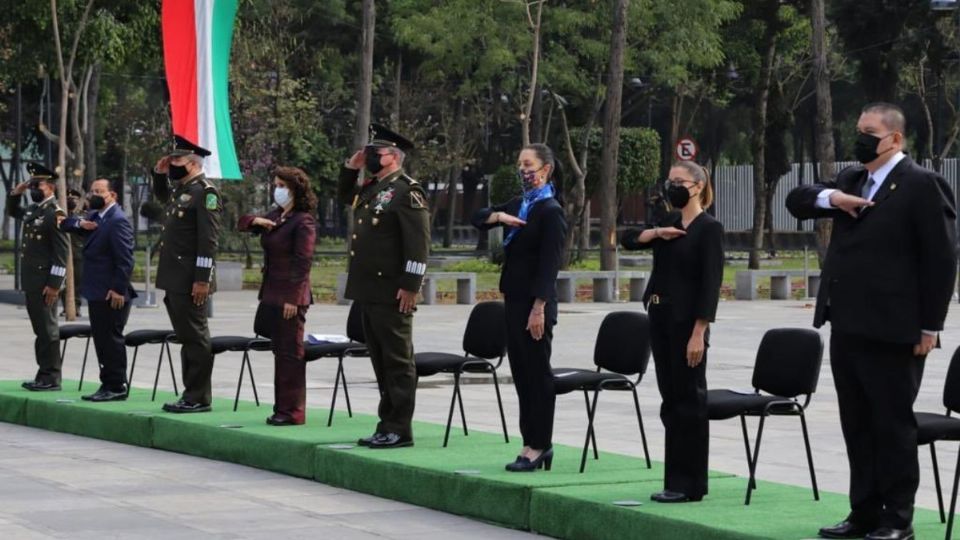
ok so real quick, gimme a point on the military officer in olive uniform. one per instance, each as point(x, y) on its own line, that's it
point(188, 249)
point(388, 259)
point(43, 267)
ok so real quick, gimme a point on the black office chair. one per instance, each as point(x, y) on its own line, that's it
point(222, 344)
point(787, 367)
point(355, 348)
point(484, 339)
point(139, 338)
point(933, 427)
point(69, 331)
point(622, 350)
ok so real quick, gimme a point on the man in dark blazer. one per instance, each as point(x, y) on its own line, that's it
point(887, 280)
point(107, 265)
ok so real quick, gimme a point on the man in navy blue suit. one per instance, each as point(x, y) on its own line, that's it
point(107, 265)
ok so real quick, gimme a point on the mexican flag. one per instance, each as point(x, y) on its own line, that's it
point(196, 54)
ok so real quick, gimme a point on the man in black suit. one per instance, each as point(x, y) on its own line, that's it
point(887, 281)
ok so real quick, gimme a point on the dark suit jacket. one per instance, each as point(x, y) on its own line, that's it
point(287, 257)
point(890, 272)
point(687, 271)
point(534, 255)
point(107, 254)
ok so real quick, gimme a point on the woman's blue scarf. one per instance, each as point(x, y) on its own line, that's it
point(530, 198)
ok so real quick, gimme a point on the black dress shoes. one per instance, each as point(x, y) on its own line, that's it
point(103, 394)
point(845, 529)
point(524, 464)
point(367, 440)
point(390, 440)
point(667, 496)
point(279, 420)
point(184, 406)
point(889, 533)
point(41, 386)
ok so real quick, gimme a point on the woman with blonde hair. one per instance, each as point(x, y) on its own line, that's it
point(682, 298)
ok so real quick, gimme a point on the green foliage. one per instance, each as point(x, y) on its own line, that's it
point(477, 265)
point(638, 163)
point(505, 185)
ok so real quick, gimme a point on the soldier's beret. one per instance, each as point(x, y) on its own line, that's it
point(183, 147)
point(382, 136)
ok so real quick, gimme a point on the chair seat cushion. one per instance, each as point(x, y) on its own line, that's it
point(724, 404)
point(431, 363)
point(932, 427)
point(221, 344)
point(314, 351)
point(143, 337)
point(68, 331)
point(566, 380)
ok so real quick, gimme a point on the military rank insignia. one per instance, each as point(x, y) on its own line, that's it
point(211, 202)
point(416, 200)
point(185, 198)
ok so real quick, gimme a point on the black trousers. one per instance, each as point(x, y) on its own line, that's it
point(684, 408)
point(877, 384)
point(532, 375)
point(106, 326)
point(389, 335)
point(190, 325)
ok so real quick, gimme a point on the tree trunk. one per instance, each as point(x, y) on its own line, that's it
point(534, 70)
point(90, 129)
point(611, 139)
point(364, 90)
point(451, 206)
point(824, 149)
point(758, 143)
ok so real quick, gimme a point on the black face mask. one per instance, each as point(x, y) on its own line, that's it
point(865, 149)
point(36, 194)
point(97, 202)
point(678, 196)
point(71, 204)
point(372, 161)
point(177, 172)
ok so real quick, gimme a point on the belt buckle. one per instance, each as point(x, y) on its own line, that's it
point(655, 299)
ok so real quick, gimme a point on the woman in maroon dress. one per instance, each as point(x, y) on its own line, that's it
point(287, 234)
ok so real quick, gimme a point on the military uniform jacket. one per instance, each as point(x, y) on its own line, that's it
point(189, 236)
point(45, 247)
point(391, 236)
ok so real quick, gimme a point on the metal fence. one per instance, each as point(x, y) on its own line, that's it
point(734, 194)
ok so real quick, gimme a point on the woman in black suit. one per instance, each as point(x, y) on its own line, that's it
point(535, 228)
point(682, 299)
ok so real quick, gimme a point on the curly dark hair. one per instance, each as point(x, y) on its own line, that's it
point(304, 200)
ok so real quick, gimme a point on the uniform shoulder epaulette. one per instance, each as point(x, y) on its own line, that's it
point(410, 181)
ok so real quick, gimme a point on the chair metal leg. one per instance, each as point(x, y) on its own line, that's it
point(63, 356)
point(253, 384)
point(591, 410)
point(936, 481)
point(173, 375)
point(746, 445)
point(333, 401)
point(643, 434)
point(133, 366)
point(83, 367)
point(156, 378)
point(236, 400)
point(953, 498)
point(752, 485)
point(593, 436)
point(463, 417)
point(346, 393)
point(806, 443)
point(503, 418)
point(453, 402)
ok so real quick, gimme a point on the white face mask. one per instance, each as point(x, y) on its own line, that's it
point(282, 197)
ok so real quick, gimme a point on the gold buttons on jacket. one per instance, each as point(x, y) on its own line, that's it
point(354, 237)
point(360, 221)
point(351, 253)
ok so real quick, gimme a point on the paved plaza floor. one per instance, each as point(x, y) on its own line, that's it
point(240, 502)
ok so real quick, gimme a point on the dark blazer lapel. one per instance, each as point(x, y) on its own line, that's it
point(889, 186)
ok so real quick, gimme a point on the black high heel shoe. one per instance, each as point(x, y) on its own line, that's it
point(524, 464)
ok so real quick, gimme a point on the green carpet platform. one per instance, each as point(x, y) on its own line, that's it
point(466, 478)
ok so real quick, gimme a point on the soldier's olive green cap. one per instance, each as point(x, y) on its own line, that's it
point(39, 172)
point(183, 147)
point(381, 136)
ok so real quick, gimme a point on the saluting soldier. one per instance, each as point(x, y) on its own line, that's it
point(43, 267)
point(188, 249)
point(388, 259)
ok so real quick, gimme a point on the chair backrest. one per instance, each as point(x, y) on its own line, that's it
point(788, 362)
point(951, 387)
point(623, 343)
point(486, 333)
point(355, 324)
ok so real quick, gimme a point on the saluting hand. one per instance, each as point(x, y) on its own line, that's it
point(87, 225)
point(200, 292)
point(850, 204)
point(510, 221)
point(669, 233)
point(21, 187)
point(356, 161)
point(264, 222)
point(408, 300)
point(163, 165)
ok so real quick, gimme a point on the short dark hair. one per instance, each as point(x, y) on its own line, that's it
point(304, 200)
point(891, 115)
